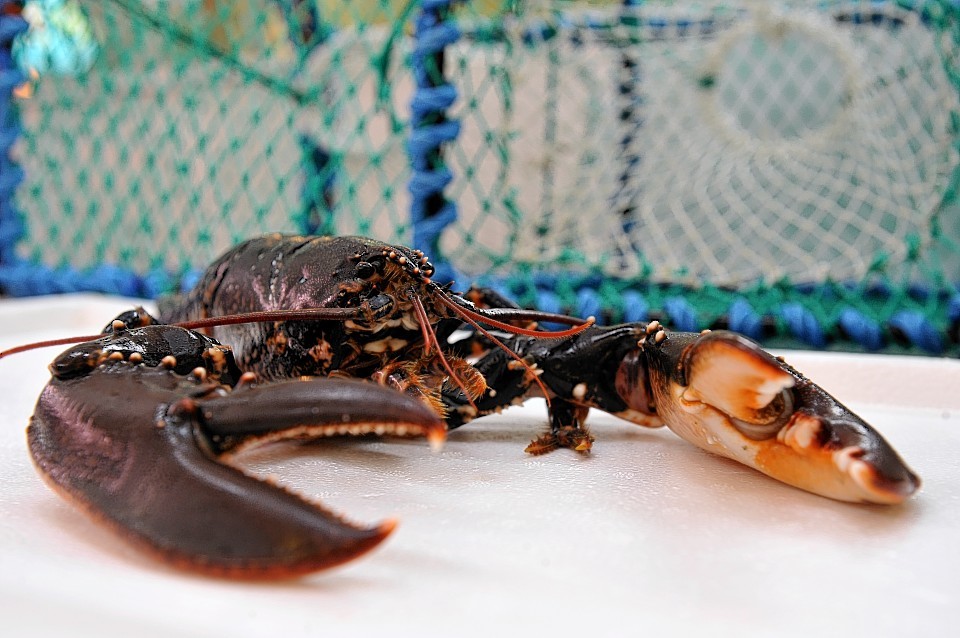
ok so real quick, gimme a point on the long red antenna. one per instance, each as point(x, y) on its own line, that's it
point(430, 339)
point(466, 317)
point(46, 344)
point(301, 314)
point(333, 314)
point(480, 317)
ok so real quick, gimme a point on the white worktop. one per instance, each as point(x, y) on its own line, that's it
point(646, 536)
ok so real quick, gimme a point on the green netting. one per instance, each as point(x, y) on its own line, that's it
point(187, 133)
point(781, 167)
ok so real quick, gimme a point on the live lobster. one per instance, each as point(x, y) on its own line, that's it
point(308, 337)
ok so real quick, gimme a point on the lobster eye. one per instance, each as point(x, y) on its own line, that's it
point(366, 270)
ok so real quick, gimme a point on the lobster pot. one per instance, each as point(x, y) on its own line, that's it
point(535, 162)
point(541, 146)
point(153, 157)
point(705, 142)
point(777, 167)
point(365, 131)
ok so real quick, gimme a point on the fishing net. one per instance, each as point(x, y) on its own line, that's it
point(787, 169)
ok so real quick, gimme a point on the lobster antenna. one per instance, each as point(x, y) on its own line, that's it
point(47, 344)
point(483, 316)
point(523, 313)
point(466, 317)
point(259, 316)
point(430, 340)
point(341, 314)
point(333, 314)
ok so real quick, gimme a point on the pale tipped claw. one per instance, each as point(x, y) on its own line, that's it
point(725, 394)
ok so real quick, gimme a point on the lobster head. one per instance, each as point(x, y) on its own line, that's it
point(723, 393)
point(356, 272)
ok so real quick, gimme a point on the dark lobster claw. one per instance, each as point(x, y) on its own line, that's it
point(725, 394)
point(142, 449)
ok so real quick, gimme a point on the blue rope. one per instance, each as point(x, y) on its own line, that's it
point(635, 307)
point(743, 319)
point(803, 325)
point(11, 222)
point(680, 314)
point(550, 291)
point(548, 301)
point(918, 330)
point(588, 303)
point(155, 283)
point(430, 211)
point(22, 279)
point(953, 309)
point(425, 139)
point(11, 25)
point(861, 329)
point(436, 98)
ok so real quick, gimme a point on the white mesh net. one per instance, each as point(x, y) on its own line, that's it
point(691, 142)
point(720, 142)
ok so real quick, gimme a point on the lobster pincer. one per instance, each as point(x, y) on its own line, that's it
point(717, 390)
point(723, 393)
point(138, 428)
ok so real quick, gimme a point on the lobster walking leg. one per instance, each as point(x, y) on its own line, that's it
point(598, 368)
point(144, 450)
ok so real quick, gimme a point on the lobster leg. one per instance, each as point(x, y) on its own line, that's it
point(145, 450)
point(596, 368)
point(568, 429)
point(573, 370)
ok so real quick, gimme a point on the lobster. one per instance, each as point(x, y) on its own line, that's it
point(288, 337)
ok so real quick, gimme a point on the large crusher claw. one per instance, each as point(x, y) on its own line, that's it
point(146, 451)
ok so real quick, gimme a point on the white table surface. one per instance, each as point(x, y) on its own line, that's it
point(646, 536)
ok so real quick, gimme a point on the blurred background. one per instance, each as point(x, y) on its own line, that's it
point(787, 169)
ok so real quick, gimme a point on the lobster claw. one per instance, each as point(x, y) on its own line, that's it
point(144, 450)
point(725, 394)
